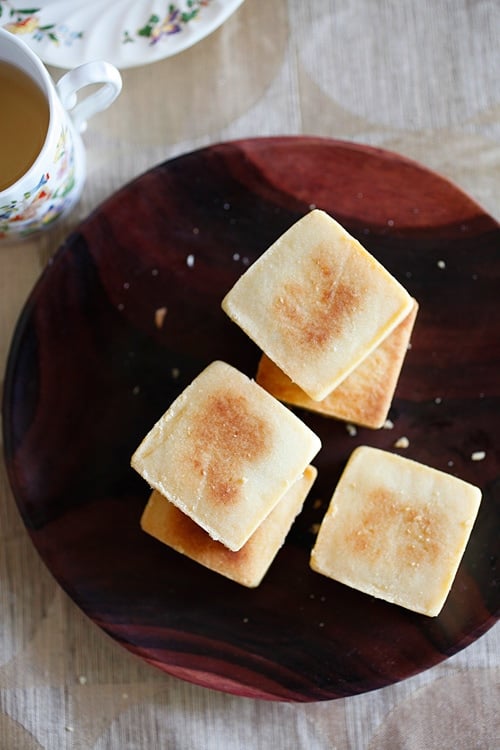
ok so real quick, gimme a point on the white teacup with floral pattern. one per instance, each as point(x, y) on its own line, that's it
point(52, 185)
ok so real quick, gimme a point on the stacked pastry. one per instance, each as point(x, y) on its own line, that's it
point(332, 322)
point(230, 469)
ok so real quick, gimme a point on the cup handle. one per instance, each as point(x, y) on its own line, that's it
point(71, 82)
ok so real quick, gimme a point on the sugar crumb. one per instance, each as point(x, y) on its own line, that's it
point(190, 261)
point(236, 256)
point(196, 230)
point(402, 442)
point(82, 679)
point(438, 400)
point(478, 456)
point(441, 264)
point(136, 390)
point(351, 430)
point(154, 272)
point(388, 425)
point(175, 372)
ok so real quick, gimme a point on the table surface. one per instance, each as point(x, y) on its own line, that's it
point(419, 79)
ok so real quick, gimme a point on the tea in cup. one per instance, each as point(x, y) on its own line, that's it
point(42, 157)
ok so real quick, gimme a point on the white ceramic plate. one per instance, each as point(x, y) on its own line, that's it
point(66, 33)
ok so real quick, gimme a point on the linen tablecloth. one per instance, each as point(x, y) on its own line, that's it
point(419, 78)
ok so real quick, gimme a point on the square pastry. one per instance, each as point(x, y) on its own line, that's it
point(248, 565)
point(225, 452)
point(365, 396)
point(317, 303)
point(396, 529)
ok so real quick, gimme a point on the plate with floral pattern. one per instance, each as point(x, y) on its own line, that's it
point(128, 33)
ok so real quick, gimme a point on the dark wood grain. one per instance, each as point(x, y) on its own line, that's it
point(90, 371)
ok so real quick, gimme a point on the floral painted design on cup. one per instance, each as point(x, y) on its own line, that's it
point(45, 169)
point(51, 196)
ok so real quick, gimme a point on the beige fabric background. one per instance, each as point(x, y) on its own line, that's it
point(421, 78)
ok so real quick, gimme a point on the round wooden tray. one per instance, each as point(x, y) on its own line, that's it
point(92, 367)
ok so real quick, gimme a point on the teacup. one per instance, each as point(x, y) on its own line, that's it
point(42, 157)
